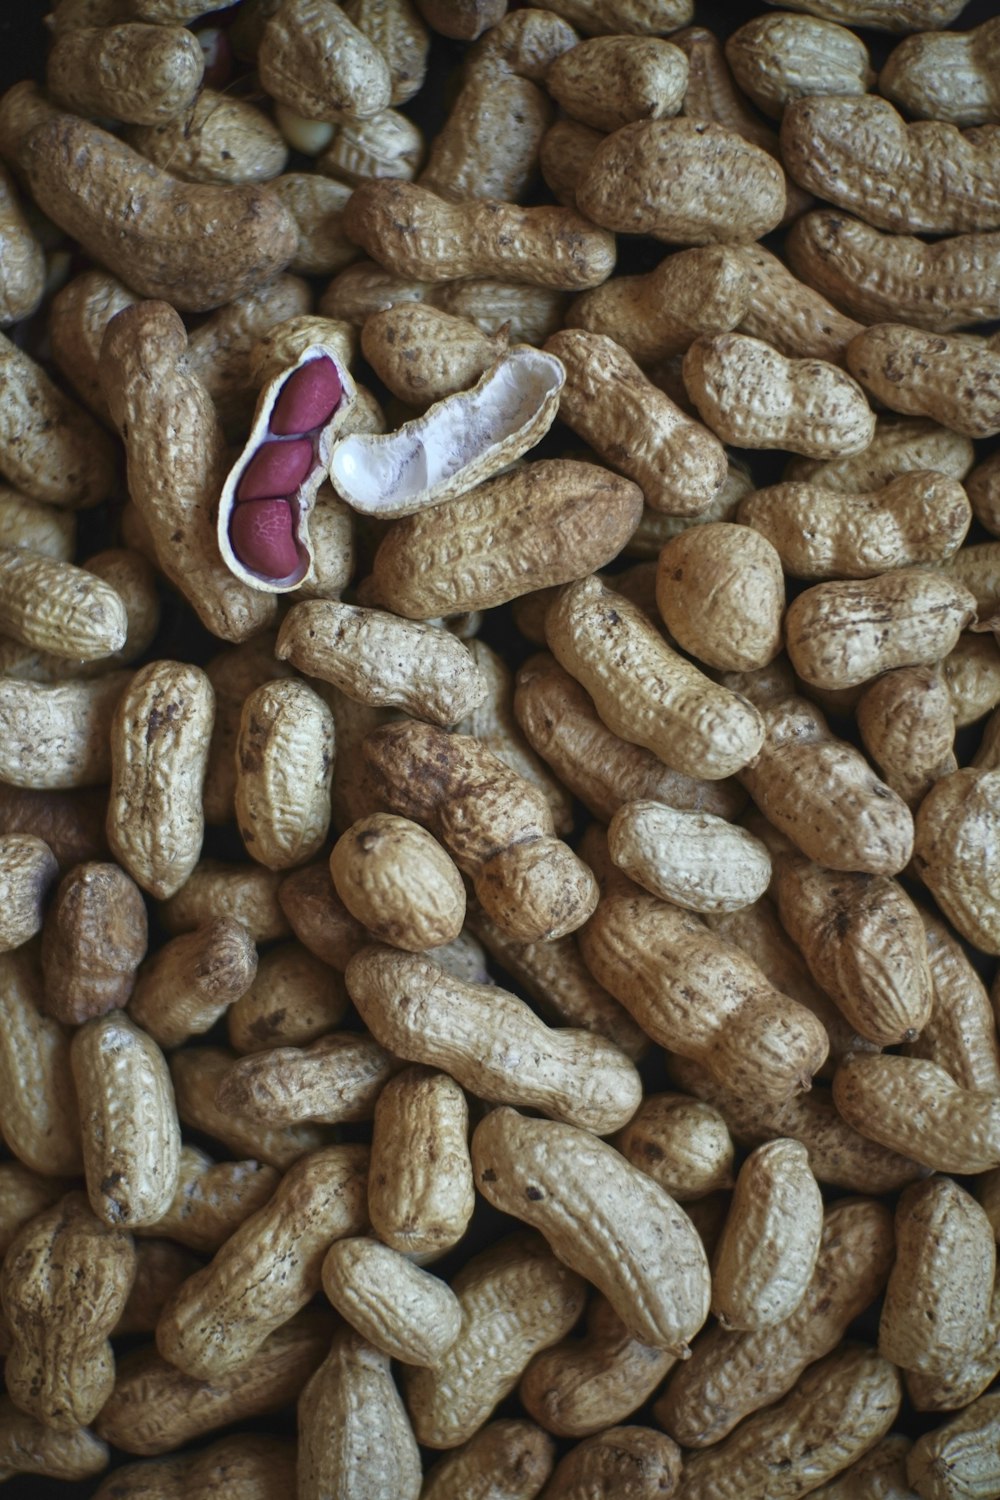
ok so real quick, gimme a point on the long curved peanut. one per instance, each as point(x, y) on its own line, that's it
point(177, 462)
point(920, 178)
point(897, 278)
point(116, 204)
point(491, 1042)
point(909, 1104)
point(644, 690)
point(601, 1216)
point(955, 379)
point(412, 231)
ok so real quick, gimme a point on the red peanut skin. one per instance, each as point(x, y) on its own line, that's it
point(261, 532)
point(308, 398)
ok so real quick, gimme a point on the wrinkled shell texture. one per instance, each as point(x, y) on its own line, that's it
point(498, 940)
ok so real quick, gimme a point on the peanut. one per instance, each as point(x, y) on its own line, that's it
point(406, 1313)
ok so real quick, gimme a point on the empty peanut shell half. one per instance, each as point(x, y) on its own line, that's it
point(456, 444)
point(263, 525)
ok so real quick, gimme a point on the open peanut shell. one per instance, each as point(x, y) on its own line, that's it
point(263, 523)
point(457, 443)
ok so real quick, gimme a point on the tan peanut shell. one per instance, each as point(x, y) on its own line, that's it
point(900, 445)
point(34, 524)
point(681, 1143)
point(54, 736)
point(396, 879)
point(212, 1199)
point(279, 1250)
point(960, 1382)
point(551, 247)
point(954, 852)
point(722, 572)
point(732, 191)
point(424, 1015)
point(506, 1460)
point(251, 1466)
point(918, 520)
point(778, 58)
point(395, 28)
point(817, 790)
point(938, 1296)
point(864, 942)
point(607, 401)
point(921, 1110)
point(758, 931)
point(840, 634)
point(559, 982)
point(541, 1299)
point(376, 658)
point(197, 1073)
point(695, 993)
point(659, 314)
point(233, 674)
point(497, 827)
point(354, 1434)
point(319, 64)
point(192, 979)
point(94, 939)
point(218, 139)
point(338, 1077)
point(610, 81)
point(960, 1034)
point(971, 672)
point(838, 1154)
point(694, 860)
point(284, 762)
point(943, 375)
point(27, 869)
point(128, 1121)
point(405, 1312)
point(160, 1267)
point(159, 745)
point(847, 150)
point(49, 446)
point(583, 1385)
point(643, 690)
point(420, 1201)
point(24, 1195)
point(907, 724)
point(882, 1470)
point(753, 396)
point(601, 768)
point(879, 276)
point(469, 159)
point(23, 276)
point(60, 1368)
point(795, 318)
point(767, 1254)
point(217, 888)
point(29, 1447)
point(156, 1408)
point(581, 1194)
point(38, 1111)
point(153, 393)
point(238, 237)
point(423, 354)
point(948, 75)
point(730, 1375)
point(495, 724)
point(564, 154)
point(636, 1463)
point(57, 607)
point(295, 998)
point(78, 315)
point(520, 531)
point(959, 1458)
point(839, 1408)
point(133, 72)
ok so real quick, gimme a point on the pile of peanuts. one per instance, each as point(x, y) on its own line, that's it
point(500, 802)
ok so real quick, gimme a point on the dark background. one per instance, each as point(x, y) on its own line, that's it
point(23, 44)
